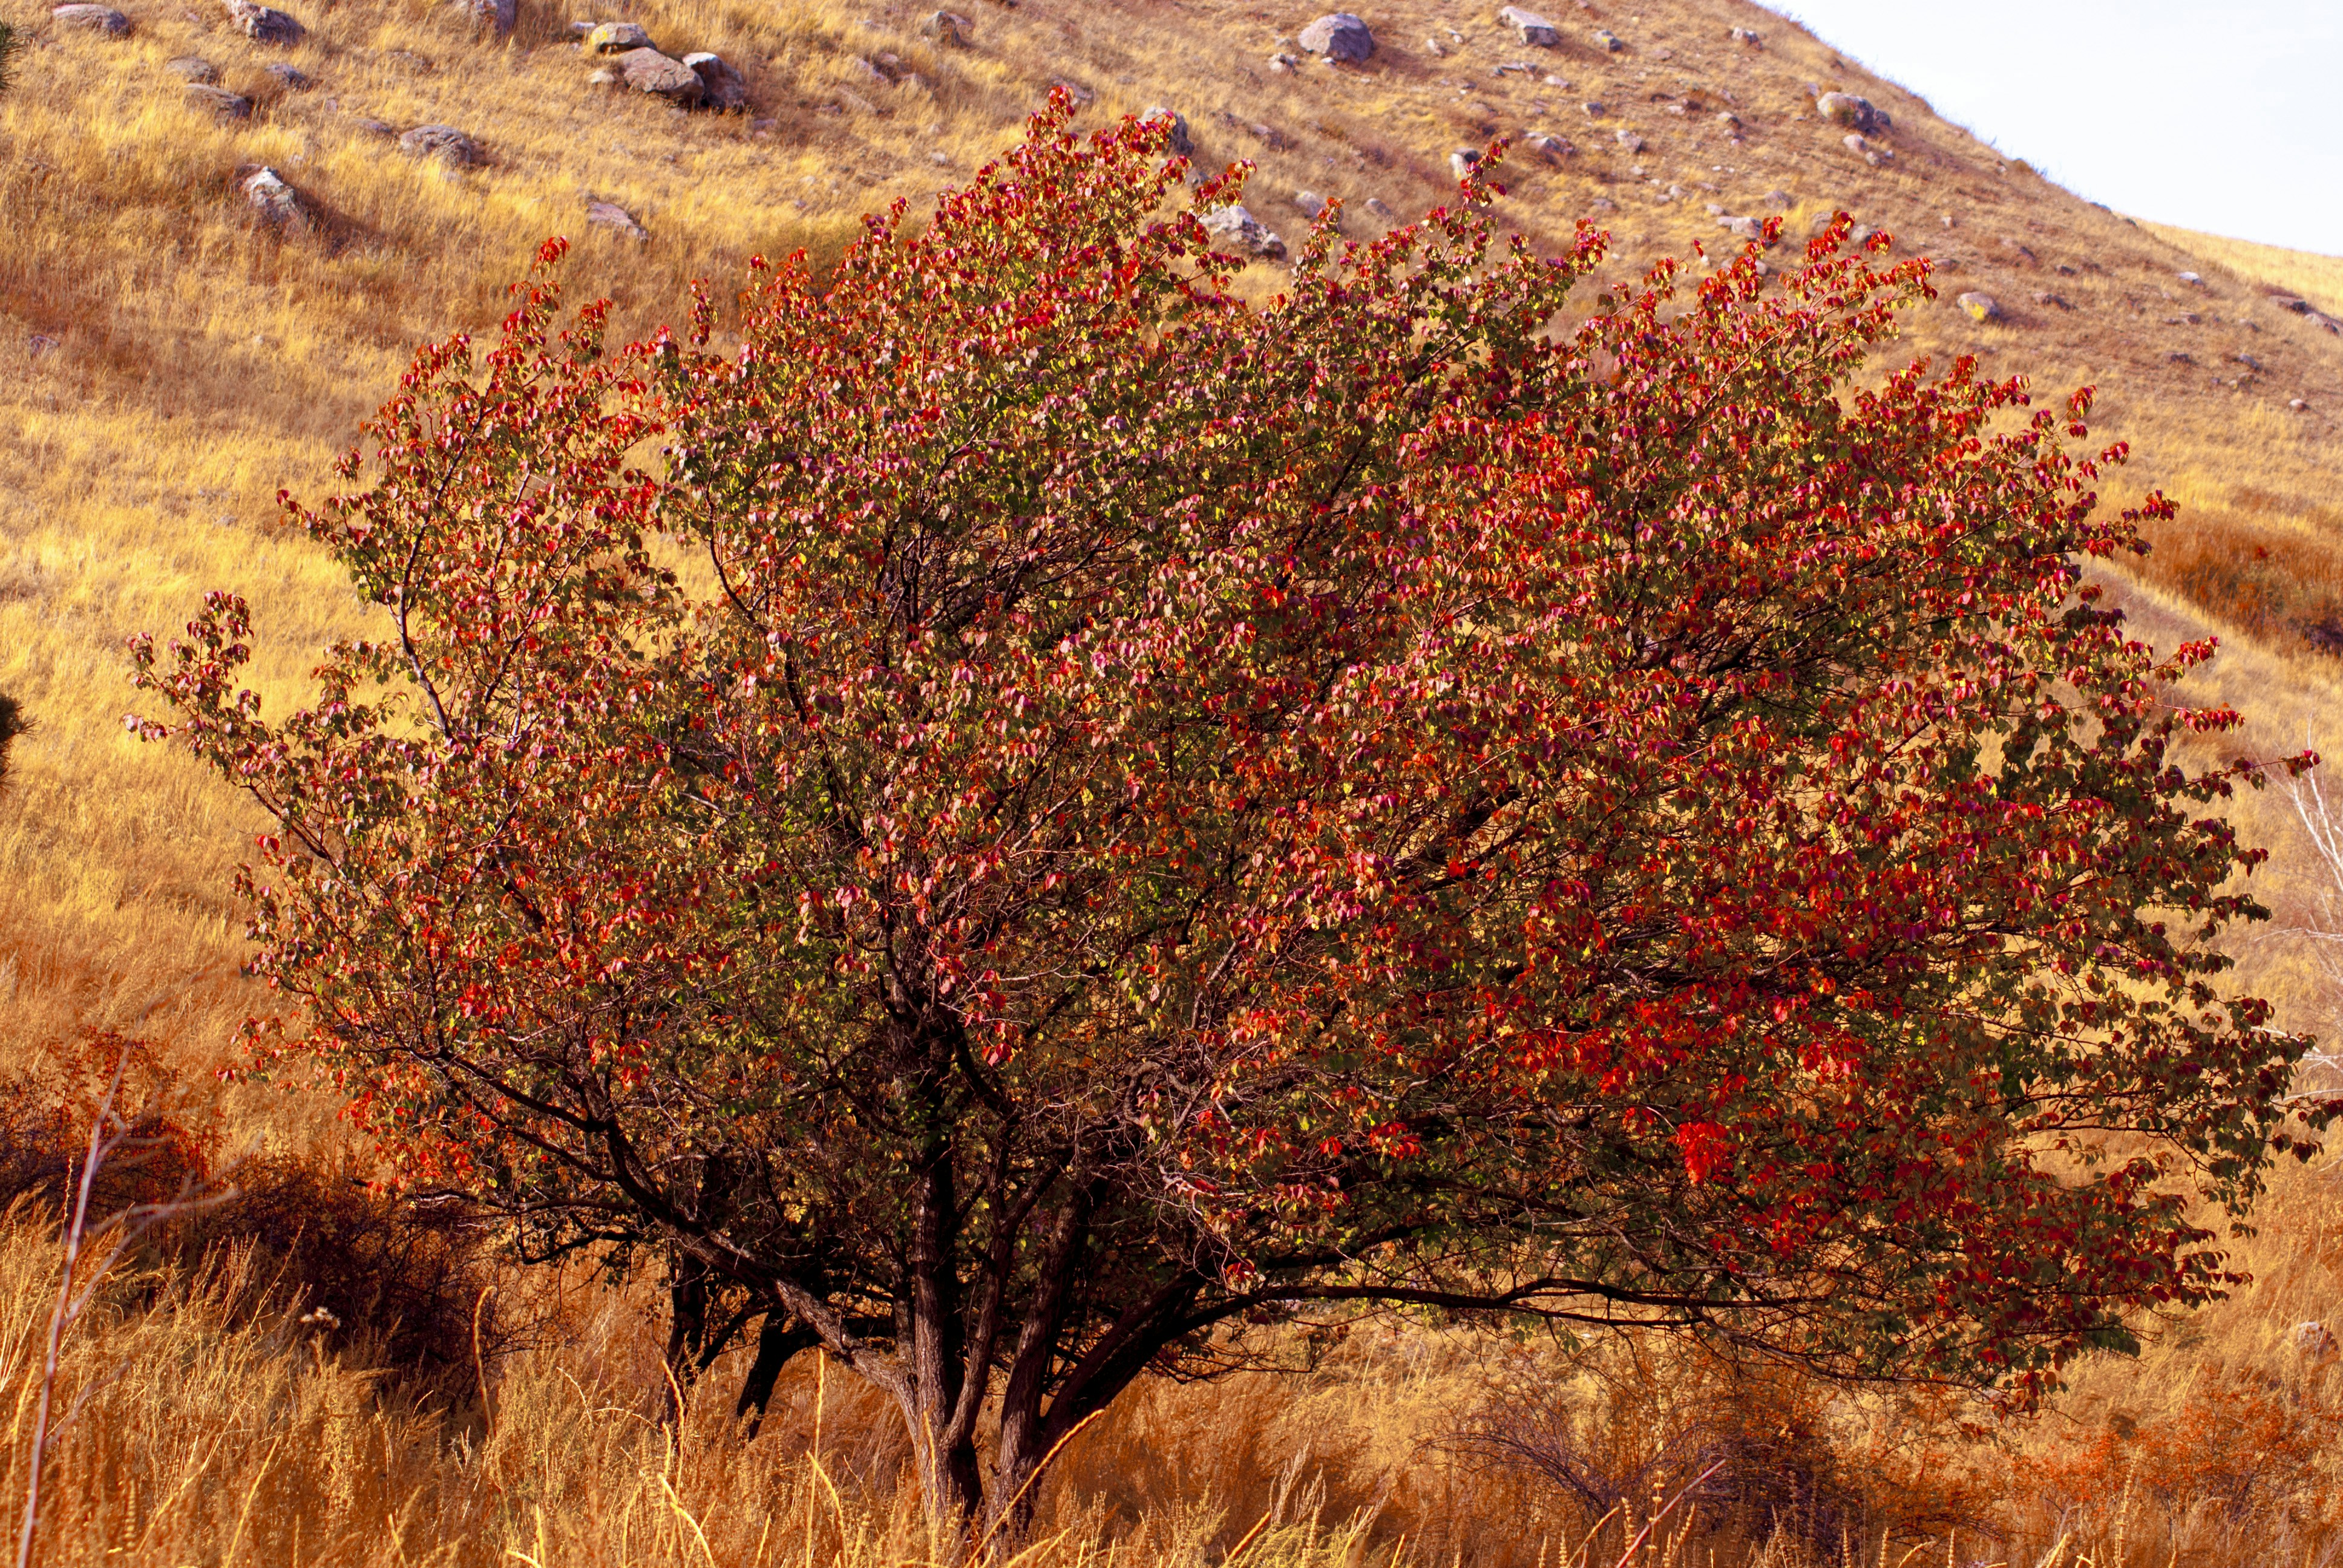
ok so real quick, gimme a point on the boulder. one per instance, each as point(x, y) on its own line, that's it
point(949, 28)
point(193, 69)
point(1856, 113)
point(1980, 306)
point(290, 79)
point(217, 102)
point(1464, 163)
point(1530, 27)
point(494, 18)
point(1180, 144)
point(1607, 41)
point(1340, 36)
point(262, 25)
point(648, 71)
point(445, 143)
point(611, 216)
point(615, 38)
point(266, 192)
point(1242, 232)
point(99, 19)
point(721, 86)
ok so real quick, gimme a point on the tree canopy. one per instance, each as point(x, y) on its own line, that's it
point(1025, 816)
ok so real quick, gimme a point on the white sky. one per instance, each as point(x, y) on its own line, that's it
point(2225, 116)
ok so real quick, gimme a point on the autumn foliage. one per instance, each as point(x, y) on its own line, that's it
point(1021, 817)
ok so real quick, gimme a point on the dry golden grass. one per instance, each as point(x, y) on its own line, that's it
point(166, 363)
point(2315, 277)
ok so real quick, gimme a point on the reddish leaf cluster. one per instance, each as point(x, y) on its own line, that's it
point(1063, 813)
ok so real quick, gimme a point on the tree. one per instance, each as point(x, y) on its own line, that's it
point(1062, 816)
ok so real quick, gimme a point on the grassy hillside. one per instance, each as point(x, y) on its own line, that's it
point(168, 360)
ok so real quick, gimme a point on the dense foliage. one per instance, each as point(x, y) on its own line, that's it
point(1027, 814)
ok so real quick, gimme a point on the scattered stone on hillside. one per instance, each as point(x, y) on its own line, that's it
point(2298, 405)
point(266, 192)
point(1749, 36)
point(610, 215)
point(445, 143)
point(2248, 360)
point(854, 102)
point(290, 79)
point(1342, 37)
point(1862, 146)
point(1074, 90)
point(2177, 358)
point(648, 71)
point(615, 38)
point(1602, 204)
point(1548, 145)
point(193, 69)
point(261, 24)
point(1180, 144)
point(1631, 141)
point(1774, 201)
point(2326, 323)
point(2287, 302)
point(1464, 163)
point(1435, 48)
point(1311, 205)
point(1743, 227)
point(1856, 113)
point(1244, 232)
point(1981, 306)
point(2190, 278)
point(1594, 111)
point(949, 28)
point(374, 127)
point(603, 76)
point(99, 19)
point(1608, 41)
point(217, 102)
point(1727, 121)
point(494, 18)
point(1381, 209)
point(1284, 64)
point(1530, 27)
point(2055, 301)
point(2186, 318)
point(721, 85)
point(1551, 80)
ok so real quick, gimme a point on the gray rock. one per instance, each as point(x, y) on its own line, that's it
point(1381, 208)
point(1747, 35)
point(445, 143)
point(1980, 306)
point(1464, 163)
point(1311, 205)
point(721, 87)
point(193, 69)
point(1340, 38)
point(615, 38)
point(648, 71)
point(1607, 41)
point(1594, 111)
point(2191, 279)
point(1435, 48)
point(2055, 301)
point(1862, 146)
point(494, 18)
point(949, 28)
point(1856, 113)
point(98, 19)
point(1743, 227)
point(1180, 144)
point(1530, 27)
point(1242, 232)
point(611, 216)
point(1284, 64)
point(266, 192)
point(2299, 405)
point(288, 77)
point(1774, 201)
point(1727, 121)
point(602, 76)
point(217, 102)
point(2287, 302)
point(262, 25)
point(1631, 141)
point(1548, 145)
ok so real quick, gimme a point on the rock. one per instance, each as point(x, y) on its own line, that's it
point(1381, 209)
point(1774, 201)
point(1631, 141)
point(445, 143)
point(1340, 38)
point(1235, 224)
point(1312, 205)
point(1548, 145)
point(1607, 41)
point(374, 128)
point(290, 78)
point(1180, 144)
point(2248, 360)
point(266, 192)
point(1863, 147)
point(2055, 301)
point(2298, 405)
point(1435, 48)
point(1727, 121)
point(494, 18)
point(1747, 35)
point(407, 60)
point(648, 71)
point(1074, 90)
point(1530, 27)
point(949, 28)
point(218, 102)
point(1743, 227)
point(2299, 307)
point(1980, 306)
point(610, 215)
point(604, 77)
point(2190, 278)
point(721, 86)
point(1602, 204)
point(1464, 163)
point(99, 19)
point(193, 69)
point(1593, 111)
point(616, 38)
point(1284, 64)
point(262, 25)
point(1856, 113)
point(2179, 359)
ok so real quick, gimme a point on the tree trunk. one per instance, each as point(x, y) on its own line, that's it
point(686, 1328)
point(780, 1338)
